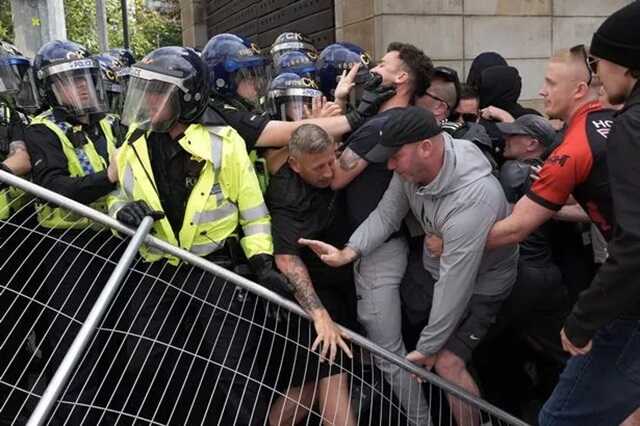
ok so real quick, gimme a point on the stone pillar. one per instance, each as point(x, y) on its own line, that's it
point(101, 24)
point(37, 22)
point(193, 14)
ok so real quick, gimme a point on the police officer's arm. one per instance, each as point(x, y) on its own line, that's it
point(277, 133)
point(18, 159)
point(50, 169)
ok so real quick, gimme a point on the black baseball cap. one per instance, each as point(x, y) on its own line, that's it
point(403, 126)
point(530, 125)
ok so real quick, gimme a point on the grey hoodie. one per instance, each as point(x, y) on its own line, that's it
point(460, 205)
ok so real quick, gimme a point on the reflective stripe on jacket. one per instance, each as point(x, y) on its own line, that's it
point(81, 161)
point(226, 194)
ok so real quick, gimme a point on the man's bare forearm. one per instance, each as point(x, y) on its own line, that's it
point(296, 271)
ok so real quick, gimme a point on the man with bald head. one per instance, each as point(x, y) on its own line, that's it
point(578, 165)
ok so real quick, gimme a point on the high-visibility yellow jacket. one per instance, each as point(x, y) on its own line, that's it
point(81, 161)
point(226, 194)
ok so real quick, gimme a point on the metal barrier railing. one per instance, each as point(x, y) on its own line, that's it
point(91, 334)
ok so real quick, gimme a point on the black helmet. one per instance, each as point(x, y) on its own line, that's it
point(17, 85)
point(68, 77)
point(110, 67)
point(288, 96)
point(290, 41)
point(168, 85)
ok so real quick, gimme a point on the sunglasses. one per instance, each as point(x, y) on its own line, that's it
point(467, 117)
point(589, 61)
point(437, 98)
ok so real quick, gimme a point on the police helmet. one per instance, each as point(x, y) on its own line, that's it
point(301, 63)
point(17, 84)
point(168, 85)
point(290, 95)
point(68, 77)
point(339, 57)
point(230, 59)
point(292, 41)
point(110, 67)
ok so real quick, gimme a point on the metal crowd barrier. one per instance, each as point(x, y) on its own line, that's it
point(91, 334)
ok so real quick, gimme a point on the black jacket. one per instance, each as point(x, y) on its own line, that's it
point(615, 291)
point(49, 164)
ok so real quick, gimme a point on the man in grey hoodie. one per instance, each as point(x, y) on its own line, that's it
point(449, 188)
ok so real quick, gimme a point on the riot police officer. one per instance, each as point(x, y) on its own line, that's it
point(70, 144)
point(17, 96)
point(111, 69)
point(195, 178)
point(238, 78)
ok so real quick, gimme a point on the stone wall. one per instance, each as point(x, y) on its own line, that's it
point(453, 32)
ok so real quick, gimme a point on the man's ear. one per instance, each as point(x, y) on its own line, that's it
point(294, 164)
point(425, 147)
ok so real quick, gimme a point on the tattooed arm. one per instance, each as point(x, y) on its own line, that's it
point(329, 334)
point(18, 159)
point(349, 166)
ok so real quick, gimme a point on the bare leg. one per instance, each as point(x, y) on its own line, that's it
point(633, 419)
point(290, 409)
point(335, 402)
point(450, 367)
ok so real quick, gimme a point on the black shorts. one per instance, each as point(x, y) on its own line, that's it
point(481, 313)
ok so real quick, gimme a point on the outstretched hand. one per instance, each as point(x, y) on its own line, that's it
point(328, 253)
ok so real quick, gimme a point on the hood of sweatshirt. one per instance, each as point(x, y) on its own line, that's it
point(463, 164)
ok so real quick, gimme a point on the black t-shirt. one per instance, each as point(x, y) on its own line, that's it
point(516, 181)
point(299, 210)
point(249, 125)
point(175, 174)
point(365, 191)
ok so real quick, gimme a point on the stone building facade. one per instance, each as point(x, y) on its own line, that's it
point(452, 32)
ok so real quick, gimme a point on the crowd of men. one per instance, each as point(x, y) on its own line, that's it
point(443, 220)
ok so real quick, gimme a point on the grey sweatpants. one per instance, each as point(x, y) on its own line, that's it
point(377, 278)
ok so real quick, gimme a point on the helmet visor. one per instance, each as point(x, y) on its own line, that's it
point(298, 103)
point(151, 104)
point(11, 72)
point(253, 81)
point(77, 86)
point(27, 97)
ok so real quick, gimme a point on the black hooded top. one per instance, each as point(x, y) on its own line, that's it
point(481, 63)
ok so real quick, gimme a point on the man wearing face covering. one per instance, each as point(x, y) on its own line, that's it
point(499, 89)
point(482, 62)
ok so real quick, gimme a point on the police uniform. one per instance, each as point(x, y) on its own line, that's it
point(204, 183)
point(12, 125)
point(71, 159)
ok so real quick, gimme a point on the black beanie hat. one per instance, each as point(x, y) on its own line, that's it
point(618, 39)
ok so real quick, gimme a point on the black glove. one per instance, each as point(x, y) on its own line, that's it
point(374, 95)
point(262, 267)
point(133, 213)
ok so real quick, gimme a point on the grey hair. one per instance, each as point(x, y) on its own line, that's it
point(309, 139)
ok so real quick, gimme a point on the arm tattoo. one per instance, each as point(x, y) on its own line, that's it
point(296, 271)
point(349, 160)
